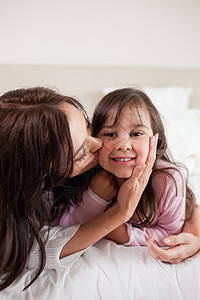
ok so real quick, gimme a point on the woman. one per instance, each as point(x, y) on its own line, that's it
point(44, 140)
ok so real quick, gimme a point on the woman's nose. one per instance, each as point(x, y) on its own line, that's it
point(95, 144)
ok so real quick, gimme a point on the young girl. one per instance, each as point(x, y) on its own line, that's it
point(125, 120)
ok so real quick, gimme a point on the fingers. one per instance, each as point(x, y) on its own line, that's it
point(175, 254)
point(158, 253)
point(182, 238)
point(138, 171)
point(151, 237)
point(155, 251)
point(143, 171)
point(153, 140)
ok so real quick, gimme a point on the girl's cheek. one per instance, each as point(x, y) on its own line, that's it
point(103, 151)
point(146, 148)
point(103, 158)
point(106, 147)
point(143, 147)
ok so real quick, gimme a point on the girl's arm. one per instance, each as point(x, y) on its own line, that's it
point(181, 246)
point(93, 202)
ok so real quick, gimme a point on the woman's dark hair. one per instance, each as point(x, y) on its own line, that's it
point(36, 154)
point(116, 101)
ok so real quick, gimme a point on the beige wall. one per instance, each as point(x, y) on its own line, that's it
point(156, 33)
point(87, 82)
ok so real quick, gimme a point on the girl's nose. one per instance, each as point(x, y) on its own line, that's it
point(125, 145)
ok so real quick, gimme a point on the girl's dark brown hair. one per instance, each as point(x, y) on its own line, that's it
point(116, 101)
point(36, 154)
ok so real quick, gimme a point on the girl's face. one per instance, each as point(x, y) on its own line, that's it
point(126, 143)
point(85, 146)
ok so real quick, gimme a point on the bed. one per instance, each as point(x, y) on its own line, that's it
point(106, 270)
point(111, 272)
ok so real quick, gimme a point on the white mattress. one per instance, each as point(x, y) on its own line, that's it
point(109, 271)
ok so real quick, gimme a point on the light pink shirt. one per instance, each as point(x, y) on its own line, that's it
point(169, 218)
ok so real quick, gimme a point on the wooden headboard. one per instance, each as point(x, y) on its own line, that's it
point(86, 82)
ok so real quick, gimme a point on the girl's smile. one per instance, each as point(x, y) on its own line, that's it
point(122, 160)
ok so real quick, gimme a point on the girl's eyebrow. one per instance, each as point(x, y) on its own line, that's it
point(134, 126)
point(140, 126)
point(108, 126)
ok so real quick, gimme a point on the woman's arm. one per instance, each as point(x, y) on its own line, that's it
point(92, 231)
point(182, 246)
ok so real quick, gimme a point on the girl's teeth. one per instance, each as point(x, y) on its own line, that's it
point(123, 159)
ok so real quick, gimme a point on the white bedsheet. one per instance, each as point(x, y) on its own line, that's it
point(109, 271)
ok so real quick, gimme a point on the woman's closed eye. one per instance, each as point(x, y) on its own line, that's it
point(81, 155)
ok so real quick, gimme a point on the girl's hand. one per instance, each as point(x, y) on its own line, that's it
point(131, 190)
point(181, 246)
point(104, 185)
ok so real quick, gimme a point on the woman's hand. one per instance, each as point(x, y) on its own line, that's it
point(181, 246)
point(104, 185)
point(131, 190)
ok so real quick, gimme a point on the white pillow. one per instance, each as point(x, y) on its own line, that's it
point(170, 101)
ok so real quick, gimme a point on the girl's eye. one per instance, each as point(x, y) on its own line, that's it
point(110, 134)
point(81, 156)
point(136, 133)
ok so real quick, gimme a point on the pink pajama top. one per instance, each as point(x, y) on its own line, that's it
point(169, 218)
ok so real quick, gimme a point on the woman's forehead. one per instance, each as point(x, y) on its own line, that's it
point(77, 122)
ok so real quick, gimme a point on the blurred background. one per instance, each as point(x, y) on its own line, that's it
point(101, 32)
